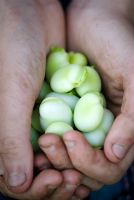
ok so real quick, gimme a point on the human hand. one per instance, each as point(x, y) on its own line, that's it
point(104, 32)
point(27, 31)
point(71, 187)
point(94, 168)
point(41, 188)
point(92, 162)
point(49, 184)
point(54, 149)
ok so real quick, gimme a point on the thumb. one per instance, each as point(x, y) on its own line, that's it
point(121, 136)
point(16, 154)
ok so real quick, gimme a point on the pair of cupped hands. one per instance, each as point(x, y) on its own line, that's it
point(69, 168)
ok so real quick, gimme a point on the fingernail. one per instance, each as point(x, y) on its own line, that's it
point(50, 148)
point(119, 150)
point(16, 179)
point(70, 143)
point(51, 189)
point(70, 187)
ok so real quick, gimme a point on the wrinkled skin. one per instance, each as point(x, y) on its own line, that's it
point(32, 35)
point(104, 32)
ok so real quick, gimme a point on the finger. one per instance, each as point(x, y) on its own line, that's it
point(18, 169)
point(121, 136)
point(93, 163)
point(51, 179)
point(55, 150)
point(75, 198)
point(87, 185)
point(41, 162)
point(15, 145)
point(44, 184)
point(81, 192)
point(71, 180)
point(91, 183)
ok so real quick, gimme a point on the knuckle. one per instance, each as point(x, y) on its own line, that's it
point(72, 177)
point(96, 159)
point(59, 165)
